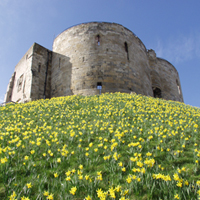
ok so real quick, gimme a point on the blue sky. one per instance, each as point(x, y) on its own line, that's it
point(170, 27)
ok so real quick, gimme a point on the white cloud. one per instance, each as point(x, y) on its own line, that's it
point(180, 48)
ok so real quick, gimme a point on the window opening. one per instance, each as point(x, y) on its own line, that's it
point(39, 66)
point(99, 86)
point(34, 72)
point(59, 62)
point(126, 49)
point(24, 86)
point(157, 92)
point(98, 40)
point(178, 86)
point(19, 83)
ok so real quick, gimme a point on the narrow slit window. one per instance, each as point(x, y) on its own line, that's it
point(98, 40)
point(39, 67)
point(59, 62)
point(126, 49)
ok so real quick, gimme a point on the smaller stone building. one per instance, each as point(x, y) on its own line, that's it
point(89, 55)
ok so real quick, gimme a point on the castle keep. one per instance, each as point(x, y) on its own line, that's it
point(89, 55)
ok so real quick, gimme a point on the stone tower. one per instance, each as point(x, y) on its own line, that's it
point(89, 55)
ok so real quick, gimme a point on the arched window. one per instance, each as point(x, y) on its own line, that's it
point(126, 49)
point(157, 92)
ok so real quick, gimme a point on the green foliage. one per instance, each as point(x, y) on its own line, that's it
point(113, 146)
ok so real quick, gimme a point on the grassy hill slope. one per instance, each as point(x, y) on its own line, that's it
point(113, 146)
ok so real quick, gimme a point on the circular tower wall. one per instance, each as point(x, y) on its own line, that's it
point(106, 54)
point(169, 80)
point(165, 78)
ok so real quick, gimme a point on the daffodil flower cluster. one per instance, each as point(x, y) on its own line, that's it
point(112, 146)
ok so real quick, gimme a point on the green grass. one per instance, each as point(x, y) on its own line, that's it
point(113, 146)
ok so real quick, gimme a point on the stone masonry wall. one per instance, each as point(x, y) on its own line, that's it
point(91, 54)
point(105, 53)
point(23, 78)
point(165, 77)
point(61, 75)
point(28, 80)
point(41, 73)
point(171, 88)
